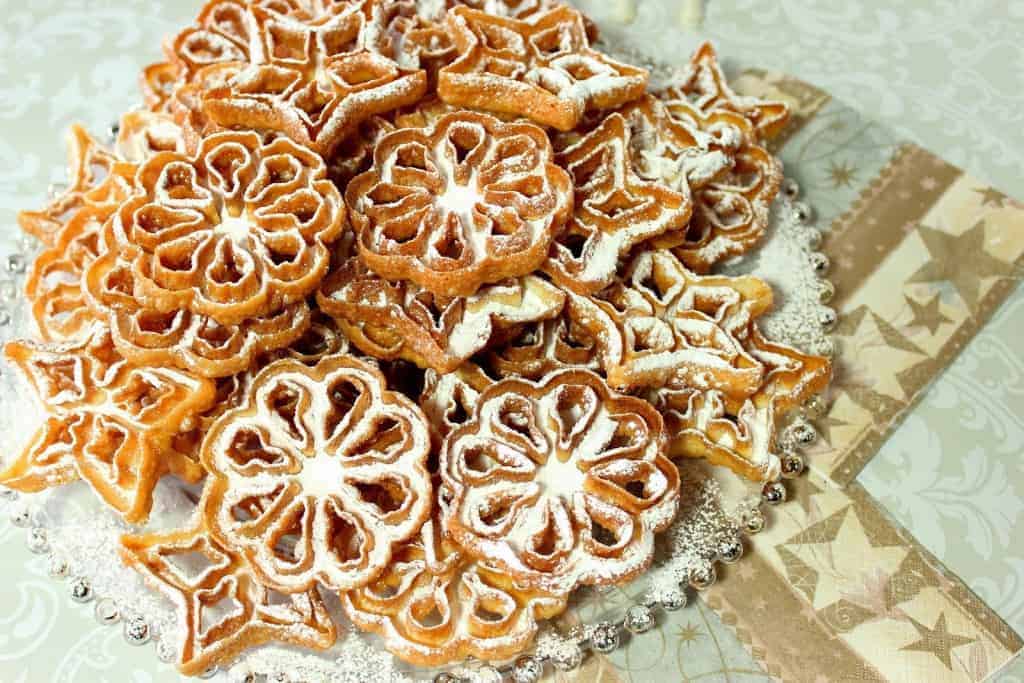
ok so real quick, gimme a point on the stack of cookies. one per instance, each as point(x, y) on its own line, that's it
point(423, 293)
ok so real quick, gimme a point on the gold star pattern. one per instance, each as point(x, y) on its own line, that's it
point(936, 640)
point(991, 197)
point(824, 426)
point(841, 174)
point(803, 490)
point(832, 553)
point(960, 260)
point(926, 315)
point(869, 342)
point(689, 634)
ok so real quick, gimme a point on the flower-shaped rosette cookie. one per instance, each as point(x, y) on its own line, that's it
point(317, 475)
point(181, 338)
point(468, 201)
point(559, 483)
point(434, 605)
point(315, 80)
point(662, 324)
point(239, 230)
point(544, 70)
point(614, 209)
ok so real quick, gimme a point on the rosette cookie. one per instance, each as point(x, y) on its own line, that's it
point(662, 324)
point(390, 320)
point(54, 283)
point(109, 423)
point(239, 230)
point(731, 211)
point(559, 483)
point(222, 608)
point(89, 166)
point(741, 433)
point(315, 80)
point(465, 202)
point(614, 210)
point(544, 70)
point(704, 85)
point(435, 605)
point(317, 475)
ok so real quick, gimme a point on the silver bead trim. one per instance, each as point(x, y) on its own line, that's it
point(107, 612)
point(774, 493)
point(136, 631)
point(81, 590)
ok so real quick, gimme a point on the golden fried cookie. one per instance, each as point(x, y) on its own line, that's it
point(316, 80)
point(560, 482)
point(703, 84)
point(237, 231)
point(157, 83)
point(181, 338)
point(354, 154)
point(666, 150)
point(222, 608)
point(543, 347)
point(614, 209)
point(54, 282)
point(434, 605)
point(544, 70)
point(337, 465)
point(663, 324)
point(419, 39)
point(141, 134)
point(740, 434)
point(447, 399)
point(391, 320)
point(222, 32)
point(465, 202)
point(110, 424)
point(89, 164)
point(730, 212)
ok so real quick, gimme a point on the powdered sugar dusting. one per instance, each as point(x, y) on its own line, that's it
point(783, 261)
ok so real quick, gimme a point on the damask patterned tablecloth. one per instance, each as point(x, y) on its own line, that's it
point(901, 556)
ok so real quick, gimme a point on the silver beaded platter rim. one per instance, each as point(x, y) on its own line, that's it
point(560, 651)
